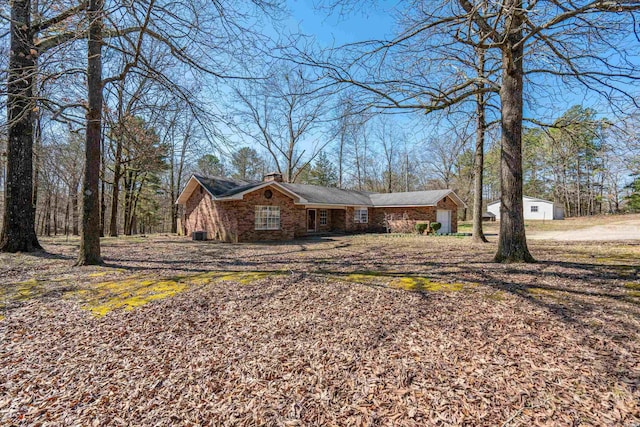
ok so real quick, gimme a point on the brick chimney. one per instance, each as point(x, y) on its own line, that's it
point(273, 176)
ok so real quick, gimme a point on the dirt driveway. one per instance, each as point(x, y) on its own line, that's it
point(609, 230)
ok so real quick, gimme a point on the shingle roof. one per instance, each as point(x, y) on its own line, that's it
point(223, 187)
point(329, 195)
point(410, 198)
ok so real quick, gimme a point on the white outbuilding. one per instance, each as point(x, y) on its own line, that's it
point(533, 209)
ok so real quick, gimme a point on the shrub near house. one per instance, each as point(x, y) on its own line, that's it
point(245, 211)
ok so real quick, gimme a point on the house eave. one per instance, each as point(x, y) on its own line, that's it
point(325, 205)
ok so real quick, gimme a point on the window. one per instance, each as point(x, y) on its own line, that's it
point(267, 217)
point(361, 216)
point(323, 217)
point(534, 209)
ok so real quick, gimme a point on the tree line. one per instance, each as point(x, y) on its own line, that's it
point(110, 106)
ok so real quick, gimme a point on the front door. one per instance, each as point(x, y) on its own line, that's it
point(444, 218)
point(311, 220)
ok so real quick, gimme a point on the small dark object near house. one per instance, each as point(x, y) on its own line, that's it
point(199, 235)
point(435, 226)
point(488, 216)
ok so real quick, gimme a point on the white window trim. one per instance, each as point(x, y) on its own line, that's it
point(534, 208)
point(359, 218)
point(270, 214)
point(324, 215)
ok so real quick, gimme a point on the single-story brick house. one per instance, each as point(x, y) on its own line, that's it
point(241, 211)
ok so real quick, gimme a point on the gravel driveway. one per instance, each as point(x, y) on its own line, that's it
point(615, 230)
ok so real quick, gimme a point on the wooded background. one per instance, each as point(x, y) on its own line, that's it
point(200, 87)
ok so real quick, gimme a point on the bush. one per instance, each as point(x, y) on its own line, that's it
point(435, 226)
point(421, 227)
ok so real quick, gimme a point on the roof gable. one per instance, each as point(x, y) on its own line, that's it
point(239, 192)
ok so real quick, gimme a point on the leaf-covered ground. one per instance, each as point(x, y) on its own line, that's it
point(360, 330)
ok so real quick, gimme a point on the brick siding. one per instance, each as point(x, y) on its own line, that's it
point(234, 221)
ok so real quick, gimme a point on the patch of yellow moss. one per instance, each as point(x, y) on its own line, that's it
point(539, 291)
point(424, 284)
point(496, 296)
point(409, 283)
point(245, 277)
point(21, 291)
point(128, 294)
point(99, 274)
point(634, 289)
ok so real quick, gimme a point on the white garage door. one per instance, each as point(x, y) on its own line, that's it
point(444, 218)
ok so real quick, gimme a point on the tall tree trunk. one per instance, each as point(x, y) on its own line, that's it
point(478, 164)
point(47, 215)
point(127, 201)
point(117, 166)
point(18, 228)
point(55, 212)
point(512, 244)
point(103, 169)
point(73, 193)
point(37, 149)
point(66, 216)
point(115, 192)
point(90, 235)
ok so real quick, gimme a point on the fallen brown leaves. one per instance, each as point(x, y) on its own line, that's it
point(554, 343)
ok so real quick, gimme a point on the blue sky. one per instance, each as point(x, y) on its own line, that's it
point(372, 23)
